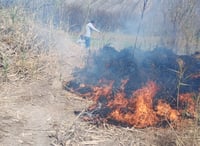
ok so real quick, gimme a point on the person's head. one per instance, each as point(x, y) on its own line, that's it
point(92, 21)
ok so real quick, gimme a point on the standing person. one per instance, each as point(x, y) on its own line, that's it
point(89, 28)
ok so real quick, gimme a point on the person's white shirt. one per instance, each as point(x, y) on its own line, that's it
point(89, 28)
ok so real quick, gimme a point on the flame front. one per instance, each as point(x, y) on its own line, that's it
point(164, 110)
point(139, 110)
point(139, 107)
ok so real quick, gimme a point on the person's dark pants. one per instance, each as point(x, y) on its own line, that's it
point(87, 42)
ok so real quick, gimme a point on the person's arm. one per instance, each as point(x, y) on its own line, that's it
point(93, 28)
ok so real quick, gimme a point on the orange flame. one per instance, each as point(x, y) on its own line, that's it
point(139, 110)
point(102, 91)
point(188, 103)
point(165, 110)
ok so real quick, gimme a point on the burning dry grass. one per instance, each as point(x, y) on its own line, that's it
point(85, 133)
point(139, 110)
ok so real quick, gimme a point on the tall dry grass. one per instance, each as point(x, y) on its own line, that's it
point(23, 46)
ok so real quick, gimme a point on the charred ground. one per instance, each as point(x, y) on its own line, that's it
point(138, 66)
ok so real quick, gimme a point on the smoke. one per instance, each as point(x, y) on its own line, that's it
point(151, 23)
point(144, 15)
point(146, 24)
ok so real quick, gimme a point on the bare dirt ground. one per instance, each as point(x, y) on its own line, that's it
point(31, 110)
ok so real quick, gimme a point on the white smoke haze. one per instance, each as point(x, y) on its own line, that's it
point(151, 23)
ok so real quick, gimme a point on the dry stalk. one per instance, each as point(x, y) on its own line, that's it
point(180, 142)
point(180, 77)
point(180, 74)
point(196, 127)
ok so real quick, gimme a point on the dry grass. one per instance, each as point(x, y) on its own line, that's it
point(26, 50)
point(142, 41)
point(120, 41)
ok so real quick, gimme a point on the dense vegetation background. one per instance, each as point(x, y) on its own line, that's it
point(176, 23)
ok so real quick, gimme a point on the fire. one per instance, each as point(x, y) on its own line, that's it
point(139, 110)
point(102, 91)
point(164, 110)
point(139, 107)
point(187, 102)
point(144, 114)
point(147, 95)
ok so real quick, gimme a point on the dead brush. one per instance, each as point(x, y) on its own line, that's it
point(4, 67)
point(21, 47)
